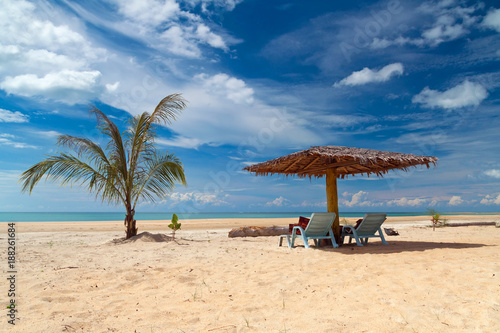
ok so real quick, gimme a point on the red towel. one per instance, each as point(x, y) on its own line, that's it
point(303, 221)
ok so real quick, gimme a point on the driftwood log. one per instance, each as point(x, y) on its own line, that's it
point(258, 231)
point(469, 224)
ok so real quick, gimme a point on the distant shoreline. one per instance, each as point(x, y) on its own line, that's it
point(23, 217)
point(222, 223)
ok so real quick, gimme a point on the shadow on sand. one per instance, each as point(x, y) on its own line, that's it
point(400, 246)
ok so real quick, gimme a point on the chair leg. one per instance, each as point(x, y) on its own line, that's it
point(382, 236)
point(287, 240)
point(306, 243)
point(355, 235)
point(334, 243)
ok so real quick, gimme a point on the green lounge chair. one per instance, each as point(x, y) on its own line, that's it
point(367, 228)
point(319, 227)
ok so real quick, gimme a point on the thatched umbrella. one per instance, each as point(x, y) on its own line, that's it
point(338, 162)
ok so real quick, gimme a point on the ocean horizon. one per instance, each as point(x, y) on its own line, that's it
point(148, 216)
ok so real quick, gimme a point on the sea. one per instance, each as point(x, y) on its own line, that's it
point(120, 216)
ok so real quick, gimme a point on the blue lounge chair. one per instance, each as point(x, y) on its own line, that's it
point(319, 227)
point(367, 228)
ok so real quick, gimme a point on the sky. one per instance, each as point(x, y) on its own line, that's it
point(262, 79)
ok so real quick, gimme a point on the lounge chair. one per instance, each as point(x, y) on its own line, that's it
point(319, 227)
point(367, 228)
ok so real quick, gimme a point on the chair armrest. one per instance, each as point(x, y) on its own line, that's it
point(297, 228)
point(347, 226)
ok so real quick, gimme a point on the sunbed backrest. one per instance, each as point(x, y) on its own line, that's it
point(319, 224)
point(371, 223)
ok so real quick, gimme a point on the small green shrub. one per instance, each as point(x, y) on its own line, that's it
point(436, 219)
point(175, 225)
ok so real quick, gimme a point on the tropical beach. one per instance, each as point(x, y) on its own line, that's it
point(249, 166)
point(83, 276)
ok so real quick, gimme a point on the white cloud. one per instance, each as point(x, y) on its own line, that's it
point(405, 202)
point(306, 203)
point(21, 24)
point(177, 42)
point(490, 200)
point(357, 199)
point(228, 5)
point(197, 198)
point(47, 134)
point(190, 143)
point(492, 20)
point(205, 35)
point(8, 140)
point(443, 32)
point(495, 173)
point(43, 54)
point(279, 202)
point(450, 21)
point(165, 26)
point(223, 110)
point(463, 95)
point(183, 41)
point(112, 87)
point(433, 203)
point(16, 60)
point(456, 200)
point(367, 75)
point(228, 87)
point(67, 85)
point(148, 12)
point(7, 116)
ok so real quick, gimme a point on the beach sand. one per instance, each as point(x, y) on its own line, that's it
point(79, 277)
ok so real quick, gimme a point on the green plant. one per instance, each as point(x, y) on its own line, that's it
point(436, 219)
point(175, 225)
point(128, 169)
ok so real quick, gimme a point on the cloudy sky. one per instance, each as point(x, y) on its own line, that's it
point(263, 79)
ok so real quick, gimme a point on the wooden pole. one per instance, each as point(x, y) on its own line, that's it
point(332, 200)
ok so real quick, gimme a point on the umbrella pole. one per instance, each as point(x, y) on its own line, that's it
point(332, 200)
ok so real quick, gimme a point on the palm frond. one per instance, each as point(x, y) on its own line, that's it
point(68, 169)
point(168, 109)
point(85, 148)
point(140, 138)
point(158, 177)
point(115, 145)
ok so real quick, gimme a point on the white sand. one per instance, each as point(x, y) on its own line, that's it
point(76, 279)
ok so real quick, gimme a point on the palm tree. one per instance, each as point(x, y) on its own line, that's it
point(127, 170)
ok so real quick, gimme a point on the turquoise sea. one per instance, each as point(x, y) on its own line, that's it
point(115, 216)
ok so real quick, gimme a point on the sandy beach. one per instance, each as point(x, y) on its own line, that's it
point(81, 277)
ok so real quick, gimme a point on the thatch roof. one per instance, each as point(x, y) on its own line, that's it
point(314, 162)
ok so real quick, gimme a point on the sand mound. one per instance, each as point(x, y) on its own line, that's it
point(145, 237)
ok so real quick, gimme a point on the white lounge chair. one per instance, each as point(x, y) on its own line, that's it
point(319, 227)
point(367, 228)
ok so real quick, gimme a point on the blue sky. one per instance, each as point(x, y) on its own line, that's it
point(263, 79)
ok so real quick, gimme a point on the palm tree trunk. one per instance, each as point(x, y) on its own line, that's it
point(130, 227)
